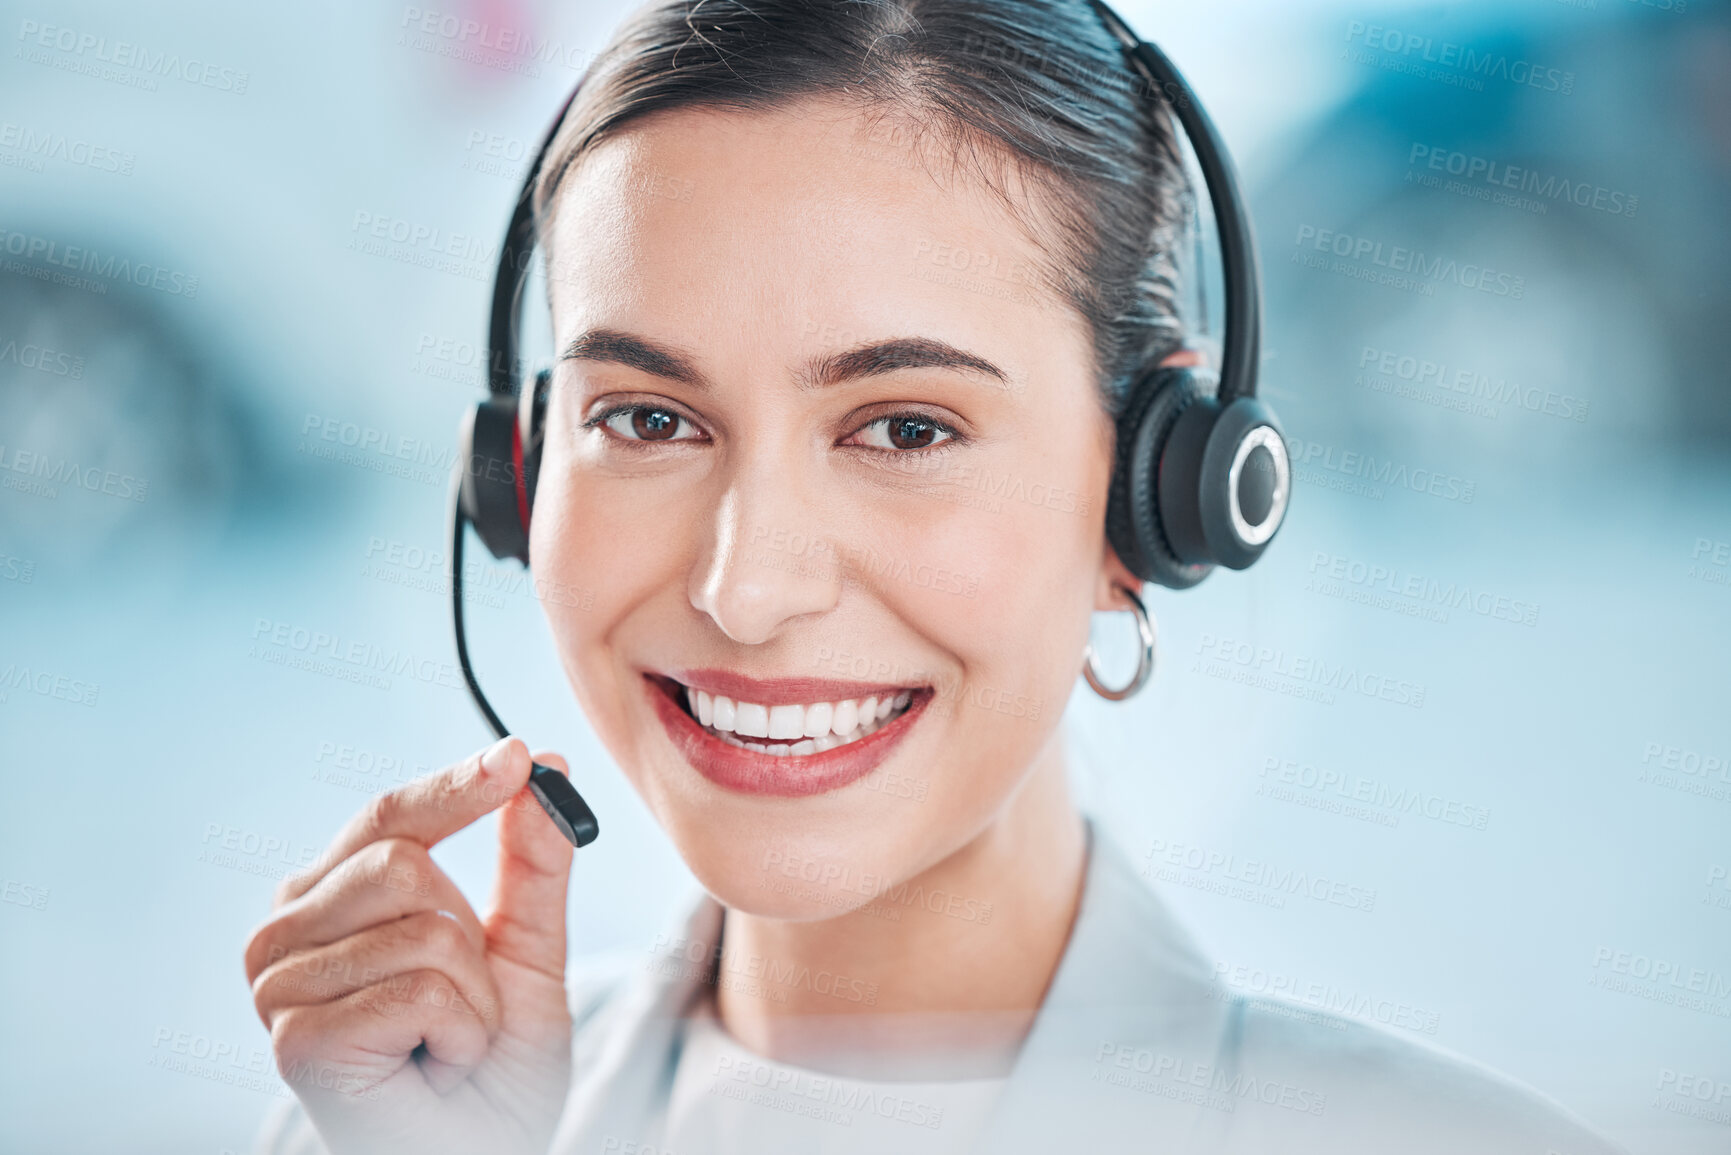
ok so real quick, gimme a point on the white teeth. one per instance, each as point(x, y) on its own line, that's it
point(787, 721)
point(794, 730)
point(751, 720)
point(817, 719)
point(846, 719)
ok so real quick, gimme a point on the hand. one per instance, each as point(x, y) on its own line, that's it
point(401, 1020)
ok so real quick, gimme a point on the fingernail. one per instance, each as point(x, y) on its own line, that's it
point(497, 757)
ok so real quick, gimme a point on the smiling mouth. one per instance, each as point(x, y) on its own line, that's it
point(790, 730)
point(777, 737)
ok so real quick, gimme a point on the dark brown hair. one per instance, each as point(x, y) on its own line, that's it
point(1040, 83)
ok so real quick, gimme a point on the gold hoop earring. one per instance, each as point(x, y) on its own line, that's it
point(1144, 664)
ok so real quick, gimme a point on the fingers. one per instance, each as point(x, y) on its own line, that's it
point(378, 981)
point(379, 883)
point(430, 941)
point(527, 924)
point(349, 1046)
point(426, 810)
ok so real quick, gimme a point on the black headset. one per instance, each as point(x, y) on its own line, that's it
point(1202, 476)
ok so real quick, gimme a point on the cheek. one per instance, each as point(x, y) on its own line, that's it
point(1001, 577)
point(617, 538)
point(556, 531)
point(1017, 540)
point(589, 543)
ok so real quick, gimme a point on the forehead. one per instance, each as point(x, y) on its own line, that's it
point(816, 214)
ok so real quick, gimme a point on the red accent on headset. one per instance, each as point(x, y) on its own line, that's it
point(522, 481)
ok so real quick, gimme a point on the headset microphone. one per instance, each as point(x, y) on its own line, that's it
point(551, 789)
point(500, 454)
point(1201, 476)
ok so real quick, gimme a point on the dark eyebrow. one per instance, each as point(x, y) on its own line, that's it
point(891, 356)
point(636, 353)
point(870, 360)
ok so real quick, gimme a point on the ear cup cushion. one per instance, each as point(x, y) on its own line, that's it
point(1121, 531)
point(1133, 509)
point(532, 428)
point(491, 461)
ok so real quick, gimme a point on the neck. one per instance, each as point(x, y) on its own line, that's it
point(950, 984)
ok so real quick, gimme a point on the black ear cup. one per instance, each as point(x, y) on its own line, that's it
point(500, 442)
point(1246, 482)
point(1134, 511)
point(1196, 485)
point(1224, 481)
point(490, 460)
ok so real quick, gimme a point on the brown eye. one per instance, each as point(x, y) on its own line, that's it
point(648, 423)
point(654, 424)
point(912, 434)
point(905, 432)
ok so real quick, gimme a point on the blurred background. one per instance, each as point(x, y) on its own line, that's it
point(1499, 324)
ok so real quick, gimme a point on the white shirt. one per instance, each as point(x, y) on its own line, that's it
point(728, 1101)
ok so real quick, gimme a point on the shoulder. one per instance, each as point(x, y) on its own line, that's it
point(1266, 1075)
point(1351, 1086)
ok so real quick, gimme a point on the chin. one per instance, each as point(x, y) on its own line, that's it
point(801, 860)
point(773, 789)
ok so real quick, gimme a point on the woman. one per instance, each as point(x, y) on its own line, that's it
point(826, 276)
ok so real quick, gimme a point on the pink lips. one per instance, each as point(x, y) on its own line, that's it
point(749, 772)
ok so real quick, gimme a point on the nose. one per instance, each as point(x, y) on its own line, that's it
point(766, 562)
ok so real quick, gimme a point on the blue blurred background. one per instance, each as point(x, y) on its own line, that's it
point(1536, 411)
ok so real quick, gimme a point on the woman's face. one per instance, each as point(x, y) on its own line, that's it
point(818, 434)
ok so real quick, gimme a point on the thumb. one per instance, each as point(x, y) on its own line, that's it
point(527, 923)
point(427, 810)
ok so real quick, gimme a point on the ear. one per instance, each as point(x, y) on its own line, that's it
point(1187, 357)
point(1113, 573)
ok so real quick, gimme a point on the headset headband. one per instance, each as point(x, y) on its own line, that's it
point(503, 372)
point(1242, 347)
